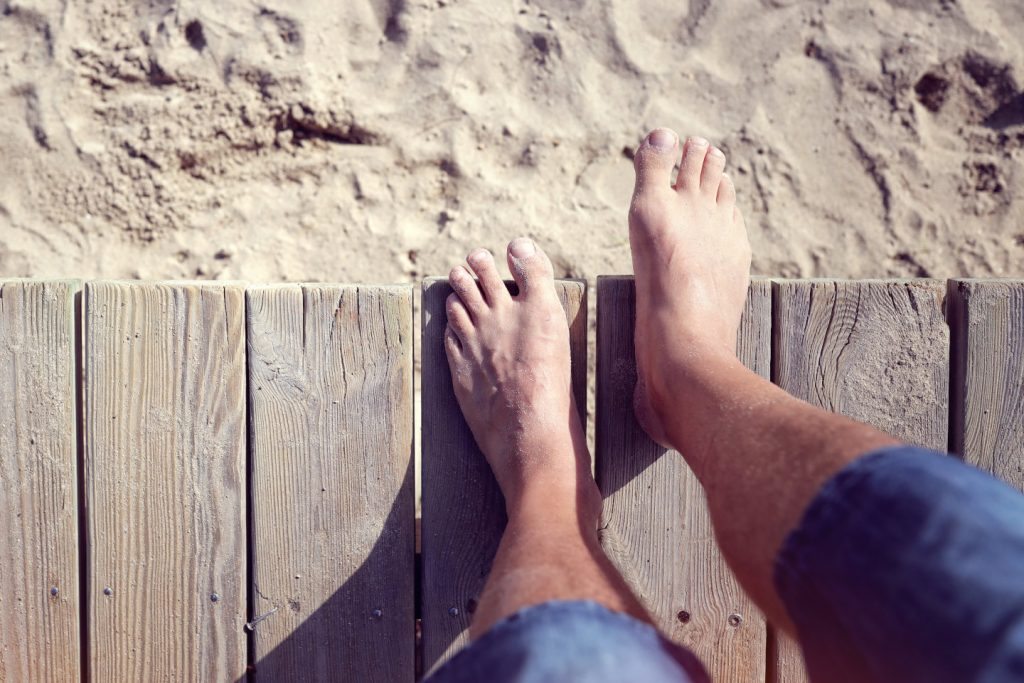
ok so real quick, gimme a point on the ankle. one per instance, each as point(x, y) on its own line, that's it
point(685, 365)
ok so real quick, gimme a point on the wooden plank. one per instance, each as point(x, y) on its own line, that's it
point(785, 661)
point(331, 427)
point(39, 596)
point(876, 351)
point(463, 511)
point(164, 467)
point(656, 526)
point(987, 320)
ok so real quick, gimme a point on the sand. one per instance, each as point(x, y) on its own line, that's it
point(379, 141)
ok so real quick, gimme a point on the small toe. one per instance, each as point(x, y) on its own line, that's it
point(654, 159)
point(694, 152)
point(467, 289)
point(493, 287)
point(711, 174)
point(530, 268)
point(458, 317)
point(458, 362)
point(452, 344)
point(726, 191)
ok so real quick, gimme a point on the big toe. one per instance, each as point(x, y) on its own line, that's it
point(654, 160)
point(530, 268)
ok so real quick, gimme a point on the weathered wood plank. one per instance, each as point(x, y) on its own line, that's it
point(876, 351)
point(987, 320)
point(164, 467)
point(656, 526)
point(39, 601)
point(463, 510)
point(331, 428)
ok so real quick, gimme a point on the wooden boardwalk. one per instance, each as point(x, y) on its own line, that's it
point(208, 481)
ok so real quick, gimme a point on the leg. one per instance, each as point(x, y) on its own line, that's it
point(760, 454)
point(905, 565)
point(509, 358)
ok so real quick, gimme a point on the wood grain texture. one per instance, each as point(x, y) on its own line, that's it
point(164, 467)
point(876, 351)
point(655, 525)
point(39, 601)
point(331, 428)
point(987, 320)
point(462, 507)
point(785, 661)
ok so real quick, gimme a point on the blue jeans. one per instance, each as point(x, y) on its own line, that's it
point(907, 566)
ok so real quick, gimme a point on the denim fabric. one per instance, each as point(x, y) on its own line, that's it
point(908, 566)
point(571, 641)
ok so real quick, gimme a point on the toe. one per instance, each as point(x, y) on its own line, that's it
point(458, 317)
point(711, 174)
point(726, 191)
point(482, 263)
point(452, 344)
point(694, 152)
point(458, 362)
point(654, 160)
point(530, 268)
point(467, 289)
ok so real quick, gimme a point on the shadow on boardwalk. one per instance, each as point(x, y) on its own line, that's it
point(365, 631)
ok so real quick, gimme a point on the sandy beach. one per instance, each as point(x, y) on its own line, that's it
point(380, 141)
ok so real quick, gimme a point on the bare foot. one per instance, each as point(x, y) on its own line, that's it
point(691, 262)
point(510, 364)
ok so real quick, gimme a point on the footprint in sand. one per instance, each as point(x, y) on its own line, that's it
point(26, 37)
point(651, 33)
point(281, 33)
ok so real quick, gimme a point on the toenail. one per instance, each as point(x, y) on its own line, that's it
point(522, 247)
point(478, 254)
point(661, 138)
point(717, 152)
point(699, 142)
